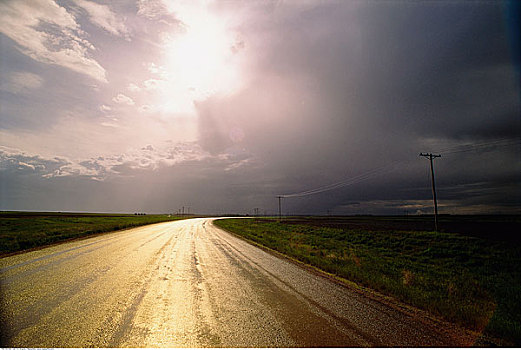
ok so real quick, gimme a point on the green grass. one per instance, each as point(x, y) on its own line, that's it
point(472, 281)
point(20, 231)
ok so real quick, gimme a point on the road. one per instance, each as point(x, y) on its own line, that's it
point(189, 284)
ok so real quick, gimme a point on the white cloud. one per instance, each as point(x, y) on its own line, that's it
point(146, 109)
point(105, 108)
point(109, 124)
point(133, 87)
point(21, 82)
point(157, 70)
point(154, 158)
point(123, 99)
point(149, 158)
point(47, 33)
point(153, 84)
point(25, 165)
point(151, 9)
point(15, 160)
point(103, 17)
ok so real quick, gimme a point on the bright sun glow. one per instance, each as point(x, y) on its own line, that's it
point(199, 62)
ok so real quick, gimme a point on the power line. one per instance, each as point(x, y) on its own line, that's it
point(481, 145)
point(389, 167)
point(346, 182)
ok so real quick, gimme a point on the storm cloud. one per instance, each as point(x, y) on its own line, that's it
point(329, 91)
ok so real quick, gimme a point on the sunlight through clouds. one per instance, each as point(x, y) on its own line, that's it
point(197, 61)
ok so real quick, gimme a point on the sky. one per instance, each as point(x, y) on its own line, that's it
point(221, 106)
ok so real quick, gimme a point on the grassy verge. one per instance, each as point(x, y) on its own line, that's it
point(20, 231)
point(472, 281)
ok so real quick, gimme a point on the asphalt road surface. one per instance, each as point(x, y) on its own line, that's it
point(189, 284)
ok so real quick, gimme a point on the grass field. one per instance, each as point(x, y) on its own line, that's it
point(25, 230)
point(473, 281)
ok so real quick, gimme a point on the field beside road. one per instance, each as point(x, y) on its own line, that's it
point(471, 278)
point(26, 230)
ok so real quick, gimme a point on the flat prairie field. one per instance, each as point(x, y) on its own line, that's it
point(26, 230)
point(472, 278)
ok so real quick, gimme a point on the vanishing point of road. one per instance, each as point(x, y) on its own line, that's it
point(189, 284)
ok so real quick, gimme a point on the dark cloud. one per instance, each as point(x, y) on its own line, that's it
point(346, 87)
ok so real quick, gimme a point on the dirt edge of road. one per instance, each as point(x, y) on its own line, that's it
point(461, 335)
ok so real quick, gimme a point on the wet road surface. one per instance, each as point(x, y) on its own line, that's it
point(189, 284)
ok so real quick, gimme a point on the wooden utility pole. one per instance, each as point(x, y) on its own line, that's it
point(280, 211)
point(431, 156)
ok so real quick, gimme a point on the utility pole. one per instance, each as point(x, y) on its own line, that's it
point(280, 211)
point(431, 156)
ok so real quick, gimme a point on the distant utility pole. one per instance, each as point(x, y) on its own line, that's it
point(280, 211)
point(431, 156)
